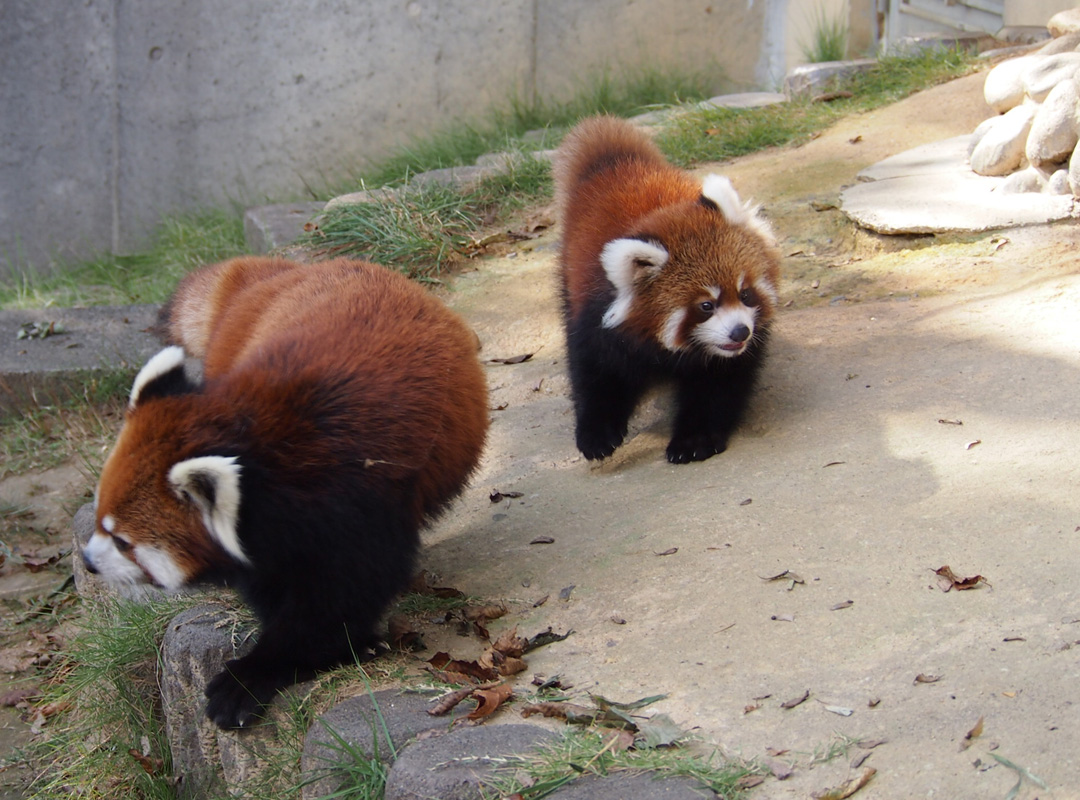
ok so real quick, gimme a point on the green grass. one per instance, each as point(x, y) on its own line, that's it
point(179, 244)
point(717, 134)
point(107, 686)
point(424, 230)
point(505, 128)
point(587, 752)
point(829, 38)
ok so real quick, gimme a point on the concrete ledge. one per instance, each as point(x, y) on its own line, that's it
point(65, 348)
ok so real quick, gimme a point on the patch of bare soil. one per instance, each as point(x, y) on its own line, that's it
point(919, 411)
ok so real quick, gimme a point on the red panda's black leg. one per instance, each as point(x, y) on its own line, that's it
point(710, 406)
point(603, 403)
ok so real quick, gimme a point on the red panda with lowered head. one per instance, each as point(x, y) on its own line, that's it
point(341, 408)
point(664, 278)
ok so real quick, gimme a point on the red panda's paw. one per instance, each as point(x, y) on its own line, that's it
point(682, 449)
point(236, 699)
point(599, 441)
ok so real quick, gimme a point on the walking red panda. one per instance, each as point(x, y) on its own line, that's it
point(663, 277)
point(341, 408)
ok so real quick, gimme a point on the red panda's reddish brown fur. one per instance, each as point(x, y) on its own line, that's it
point(341, 408)
point(664, 276)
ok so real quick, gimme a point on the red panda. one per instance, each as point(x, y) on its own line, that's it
point(663, 277)
point(341, 408)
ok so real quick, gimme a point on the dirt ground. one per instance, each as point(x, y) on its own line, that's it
point(919, 409)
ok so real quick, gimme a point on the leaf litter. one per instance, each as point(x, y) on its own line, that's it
point(947, 580)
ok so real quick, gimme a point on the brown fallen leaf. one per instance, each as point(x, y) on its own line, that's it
point(748, 781)
point(669, 552)
point(402, 635)
point(449, 701)
point(860, 759)
point(747, 501)
point(775, 751)
point(971, 735)
point(617, 739)
point(970, 445)
point(873, 702)
point(546, 637)
point(520, 359)
point(951, 421)
point(152, 766)
point(497, 497)
point(543, 540)
point(510, 644)
point(469, 670)
point(922, 678)
point(796, 701)
point(490, 700)
point(842, 605)
point(947, 580)
point(16, 696)
point(751, 707)
point(571, 712)
point(848, 787)
point(421, 584)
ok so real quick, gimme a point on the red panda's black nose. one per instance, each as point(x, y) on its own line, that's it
point(740, 333)
point(89, 565)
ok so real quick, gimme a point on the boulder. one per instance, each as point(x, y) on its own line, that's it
point(1004, 86)
point(1047, 72)
point(1064, 22)
point(1054, 128)
point(1065, 43)
point(1001, 149)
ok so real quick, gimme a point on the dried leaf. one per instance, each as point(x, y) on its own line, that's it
point(669, 552)
point(947, 580)
point(490, 700)
point(658, 731)
point(543, 540)
point(779, 770)
point(749, 781)
point(571, 712)
point(484, 613)
point(510, 644)
point(860, 759)
point(842, 605)
point(796, 701)
point(521, 359)
point(922, 678)
point(603, 703)
point(970, 445)
point(545, 637)
point(152, 766)
point(747, 501)
point(751, 707)
point(841, 710)
point(617, 740)
point(971, 735)
point(951, 421)
point(450, 701)
point(848, 787)
point(873, 702)
point(402, 635)
point(497, 497)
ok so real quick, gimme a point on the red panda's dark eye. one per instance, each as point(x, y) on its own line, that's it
point(749, 297)
point(123, 545)
point(707, 306)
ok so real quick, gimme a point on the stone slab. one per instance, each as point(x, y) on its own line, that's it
point(269, 227)
point(87, 343)
point(931, 189)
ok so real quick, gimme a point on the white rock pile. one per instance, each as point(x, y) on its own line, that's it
point(1033, 140)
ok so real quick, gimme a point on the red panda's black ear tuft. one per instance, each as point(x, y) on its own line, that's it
point(163, 375)
point(709, 203)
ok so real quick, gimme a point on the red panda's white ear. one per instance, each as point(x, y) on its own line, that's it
point(162, 374)
point(213, 484)
point(625, 261)
point(719, 191)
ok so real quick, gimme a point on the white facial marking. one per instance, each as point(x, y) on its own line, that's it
point(108, 523)
point(161, 567)
point(720, 190)
point(110, 563)
point(165, 361)
point(624, 260)
point(221, 510)
point(715, 332)
point(669, 337)
point(765, 287)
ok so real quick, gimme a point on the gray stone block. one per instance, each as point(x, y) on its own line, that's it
point(814, 78)
point(81, 345)
point(377, 726)
point(455, 765)
point(267, 228)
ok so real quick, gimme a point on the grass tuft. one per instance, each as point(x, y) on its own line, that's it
point(716, 134)
point(829, 38)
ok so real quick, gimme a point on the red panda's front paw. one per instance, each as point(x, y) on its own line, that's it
point(596, 442)
point(698, 447)
point(235, 703)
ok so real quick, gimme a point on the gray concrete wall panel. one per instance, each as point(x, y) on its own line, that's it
point(116, 112)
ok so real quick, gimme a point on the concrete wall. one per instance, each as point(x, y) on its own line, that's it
point(114, 112)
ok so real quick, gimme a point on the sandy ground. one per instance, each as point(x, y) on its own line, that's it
point(920, 409)
point(852, 471)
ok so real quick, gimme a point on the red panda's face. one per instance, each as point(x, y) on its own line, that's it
point(162, 518)
point(701, 275)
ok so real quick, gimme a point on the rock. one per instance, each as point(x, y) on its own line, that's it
point(267, 228)
point(1023, 181)
point(1064, 22)
point(1046, 73)
point(1054, 128)
point(455, 765)
point(355, 198)
point(813, 78)
point(1066, 43)
point(378, 725)
point(1003, 88)
point(1074, 173)
point(1001, 149)
point(1059, 182)
point(979, 132)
